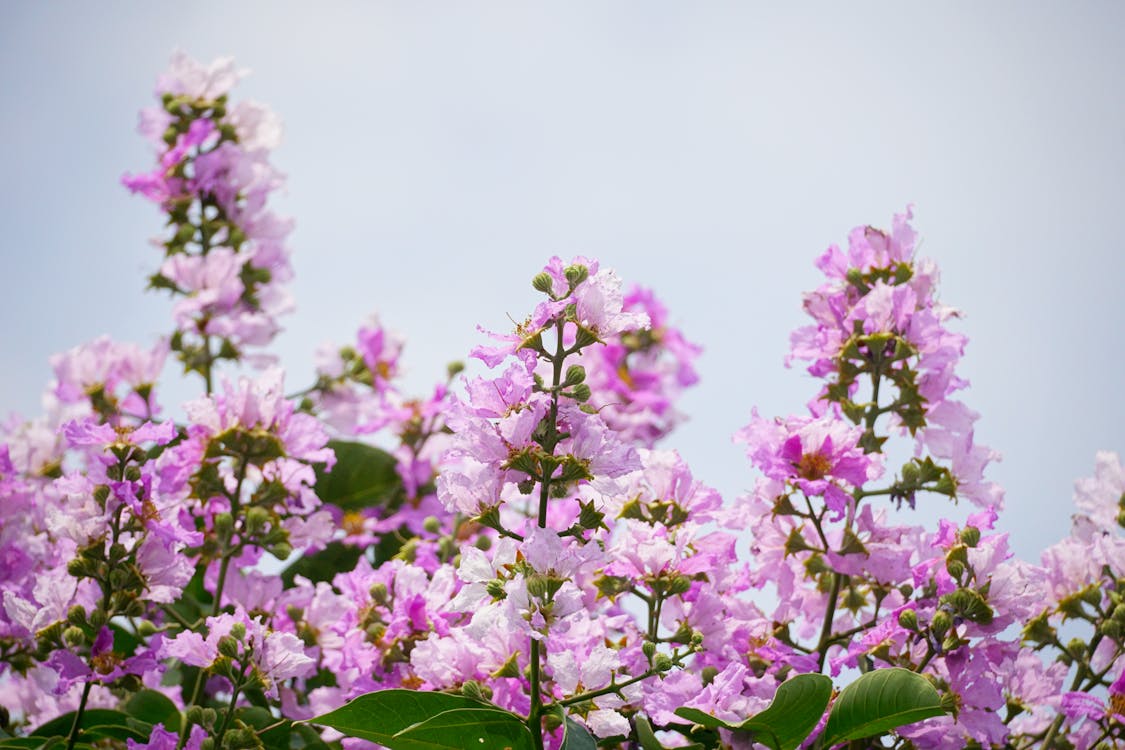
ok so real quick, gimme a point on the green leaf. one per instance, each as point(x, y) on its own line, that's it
point(696, 716)
point(100, 721)
point(379, 716)
point(786, 722)
point(793, 714)
point(153, 707)
point(336, 557)
point(645, 736)
point(467, 728)
point(575, 737)
point(277, 738)
point(363, 476)
point(880, 701)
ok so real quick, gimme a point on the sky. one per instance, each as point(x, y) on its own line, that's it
point(439, 153)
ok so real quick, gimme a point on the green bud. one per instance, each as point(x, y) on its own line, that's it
point(696, 639)
point(257, 519)
point(708, 675)
point(453, 369)
point(1119, 613)
point(73, 636)
point(238, 630)
point(224, 525)
point(194, 715)
point(76, 615)
point(145, 628)
point(483, 543)
point(476, 691)
point(378, 593)
point(581, 392)
point(1077, 648)
point(97, 617)
point(956, 569)
point(536, 586)
point(281, 550)
point(648, 648)
point(542, 282)
point(908, 619)
point(1092, 595)
point(431, 524)
point(575, 374)
point(662, 662)
point(495, 589)
point(576, 274)
point(185, 233)
point(228, 646)
point(679, 585)
point(941, 623)
point(208, 743)
point(970, 535)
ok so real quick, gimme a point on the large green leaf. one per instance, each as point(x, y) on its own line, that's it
point(101, 722)
point(379, 716)
point(153, 707)
point(467, 728)
point(575, 737)
point(363, 476)
point(794, 712)
point(880, 701)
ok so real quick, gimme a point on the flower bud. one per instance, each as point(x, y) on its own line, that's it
point(378, 593)
point(970, 535)
point(257, 519)
point(73, 636)
point(581, 392)
point(76, 615)
point(224, 525)
point(476, 691)
point(146, 628)
point(97, 617)
point(431, 524)
point(941, 623)
point(662, 662)
point(648, 648)
point(576, 274)
point(238, 630)
point(956, 569)
point(542, 282)
point(281, 550)
point(228, 646)
point(575, 374)
point(536, 586)
point(908, 619)
point(696, 639)
point(194, 715)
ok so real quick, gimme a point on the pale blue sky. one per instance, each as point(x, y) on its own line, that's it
point(438, 153)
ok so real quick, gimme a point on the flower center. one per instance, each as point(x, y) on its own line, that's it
point(813, 466)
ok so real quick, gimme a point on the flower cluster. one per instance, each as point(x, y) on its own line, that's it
point(520, 558)
point(225, 257)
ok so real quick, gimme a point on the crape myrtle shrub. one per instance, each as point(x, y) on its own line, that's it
point(523, 567)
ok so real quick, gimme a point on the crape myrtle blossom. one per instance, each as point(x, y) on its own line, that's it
point(225, 256)
point(854, 588)
point(524, 546)
point(636, 378)
point(1085, 598)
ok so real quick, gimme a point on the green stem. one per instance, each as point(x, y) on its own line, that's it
point(550, 440)
point(229, 715)
point(76, 726)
